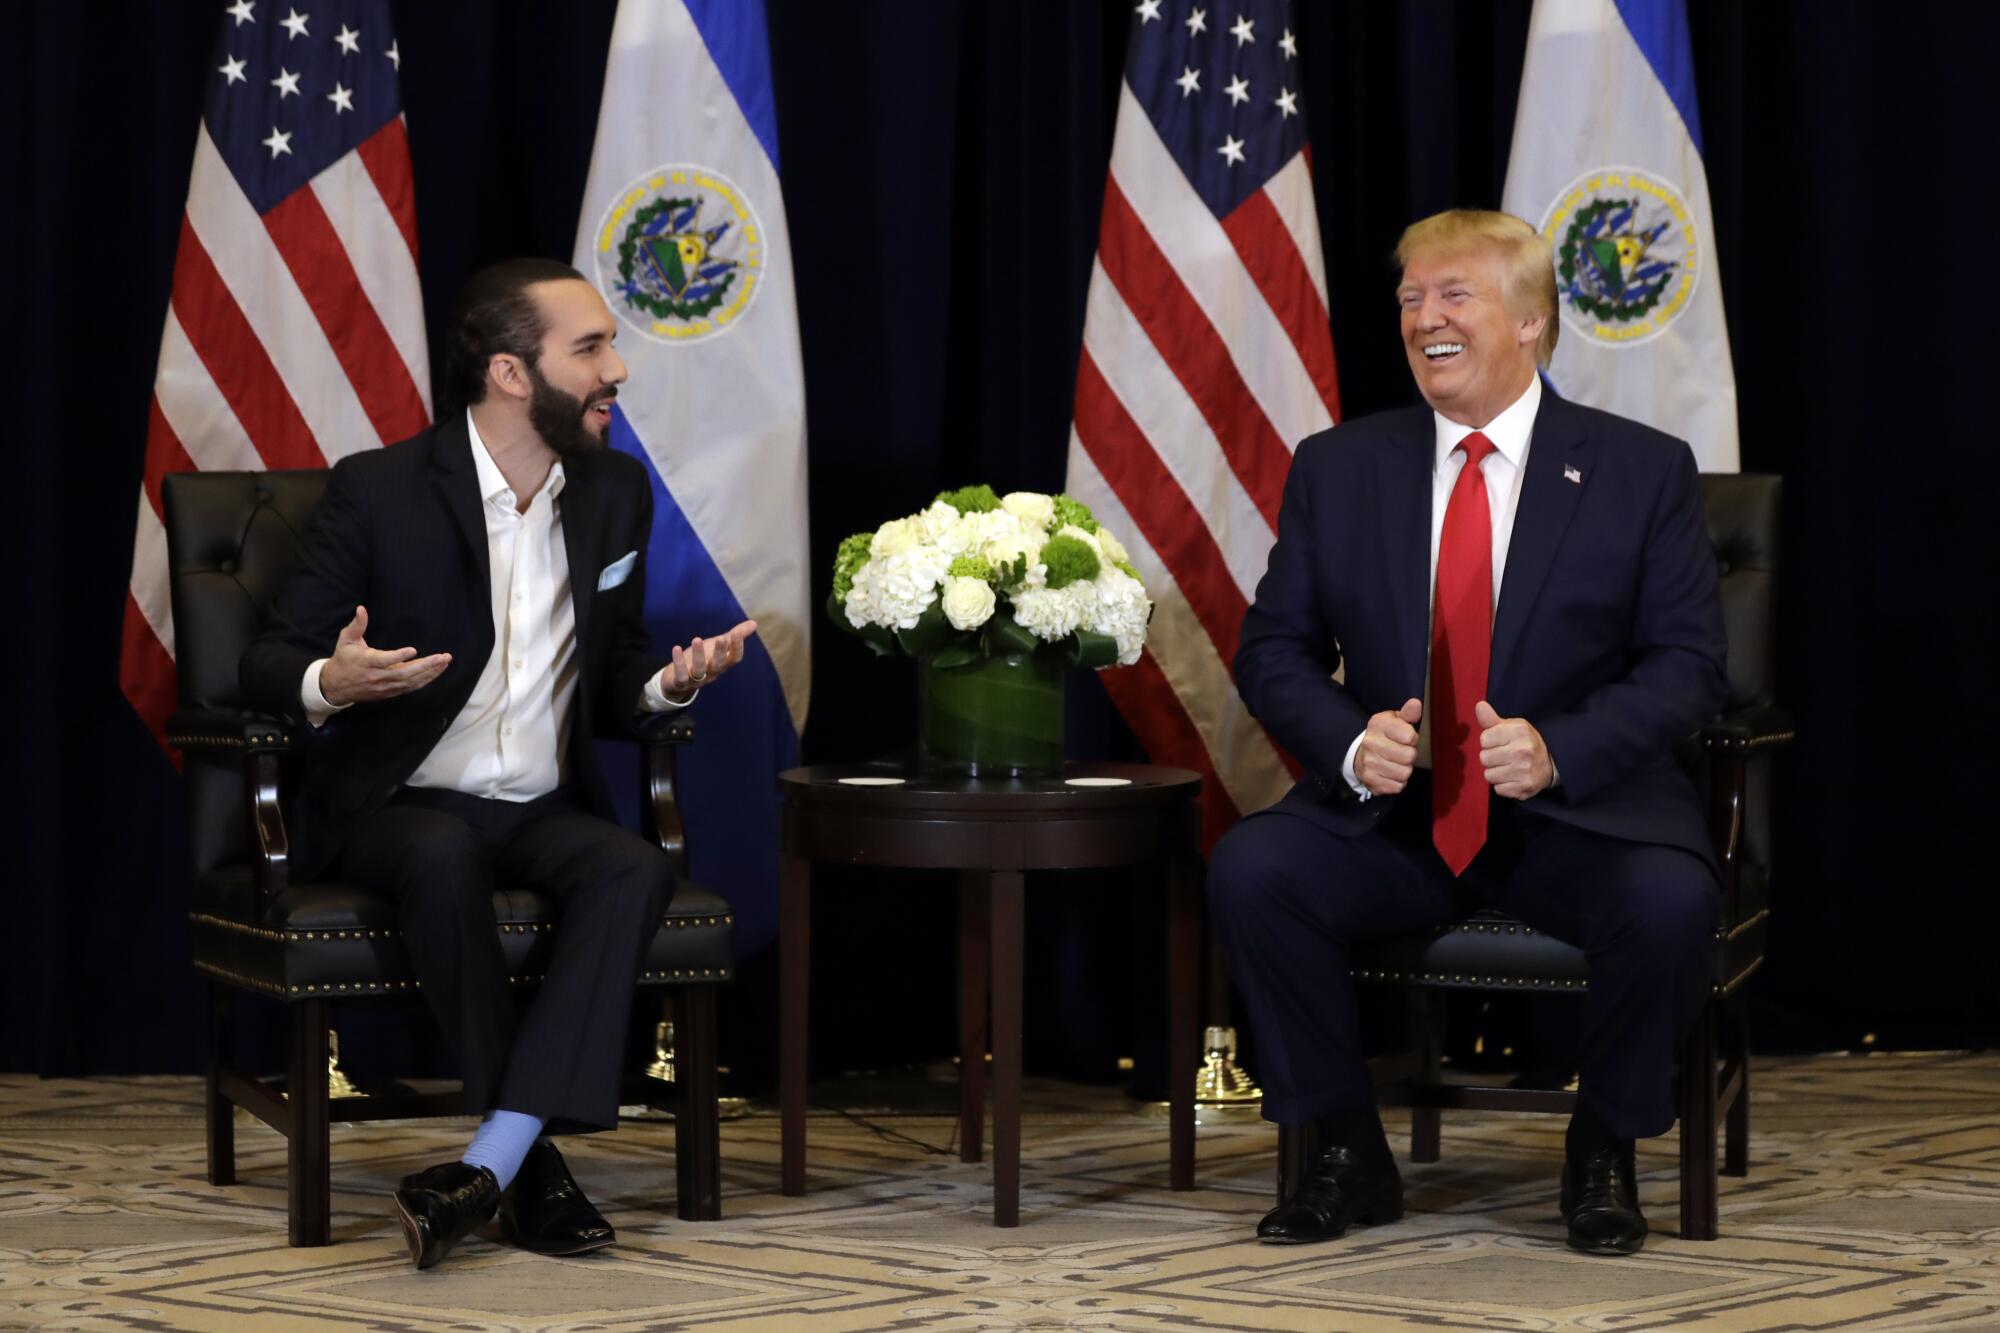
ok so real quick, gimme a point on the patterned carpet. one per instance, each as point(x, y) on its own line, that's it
point(1874, 1202)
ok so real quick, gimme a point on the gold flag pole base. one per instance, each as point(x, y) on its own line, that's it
point(1221, 1086)
point(338, 1084)
point(662, 1068)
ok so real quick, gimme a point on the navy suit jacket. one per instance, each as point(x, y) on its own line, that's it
point(402, 532)
point(1608, 635)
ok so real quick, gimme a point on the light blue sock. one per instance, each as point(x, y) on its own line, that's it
point(502, 1142)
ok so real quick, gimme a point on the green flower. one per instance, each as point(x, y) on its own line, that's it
point(1129, 572)
point(971, 499)
point(971, 567)
point(847, 561)
point(1069, 561)
point(1076, 512)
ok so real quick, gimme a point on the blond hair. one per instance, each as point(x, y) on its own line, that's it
point(1529, 279)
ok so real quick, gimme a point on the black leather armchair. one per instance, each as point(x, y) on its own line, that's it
point(231, 543)
point(1730, 760)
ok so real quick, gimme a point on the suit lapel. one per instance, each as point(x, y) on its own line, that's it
point(458, 486)
point(580, 524)
point(1548, 499)
point(1406, 519)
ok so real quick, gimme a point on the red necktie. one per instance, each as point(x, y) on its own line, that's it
point(1461, 644)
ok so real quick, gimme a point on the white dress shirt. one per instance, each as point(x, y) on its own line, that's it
point(510, 742)
point(1502, 470)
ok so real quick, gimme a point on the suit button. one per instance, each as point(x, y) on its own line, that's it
point(444, 723)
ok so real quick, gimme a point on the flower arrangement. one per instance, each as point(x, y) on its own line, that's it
point(979, 575)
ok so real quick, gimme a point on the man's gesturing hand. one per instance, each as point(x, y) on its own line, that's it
point(357, 672)
point(1515, 757)
point(702, 661)
point(1388, 749)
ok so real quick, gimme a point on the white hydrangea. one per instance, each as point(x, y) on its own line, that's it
point(968, 603)
point(1006, 538)
point(895, 590)
point(1038, 511)
point(894, 537)
point(935, 521)
point(1049, 613)
point(1121, 609)
point(1111, 546)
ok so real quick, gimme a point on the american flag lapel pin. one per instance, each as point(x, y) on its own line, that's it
point(1571, 474)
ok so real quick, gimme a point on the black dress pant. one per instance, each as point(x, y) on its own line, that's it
point(1289, 898)
point(442, 854)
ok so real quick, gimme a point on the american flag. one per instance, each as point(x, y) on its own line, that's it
point(1206, 358)
point(295, 332)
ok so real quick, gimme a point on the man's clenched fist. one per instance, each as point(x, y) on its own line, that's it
point(357, 672)
point(1388, 749)
point(1512, 752)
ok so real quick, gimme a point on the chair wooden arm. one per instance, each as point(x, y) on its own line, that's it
point(660, 740)
point(1730, 742)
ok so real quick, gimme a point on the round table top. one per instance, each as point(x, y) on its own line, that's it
point(1079, 787)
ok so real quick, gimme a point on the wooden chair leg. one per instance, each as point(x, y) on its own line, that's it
point(1426, 1122)
point(221, 1112)
point(1736, 1127)
point(309, 1146)
point(697, 1126)
point(1699, 1186)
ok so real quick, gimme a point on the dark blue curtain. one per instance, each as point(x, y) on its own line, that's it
point(943, 170)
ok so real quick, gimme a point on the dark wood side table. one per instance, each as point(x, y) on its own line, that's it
point(992, 831)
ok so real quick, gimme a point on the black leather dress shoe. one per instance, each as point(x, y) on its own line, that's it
point(1600, 1201)
point(547, 1213)
point(441, 1206)
point(1340, 1190)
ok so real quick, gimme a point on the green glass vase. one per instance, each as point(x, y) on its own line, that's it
point(994, 716)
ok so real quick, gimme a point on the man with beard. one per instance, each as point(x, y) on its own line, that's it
point(504, 552)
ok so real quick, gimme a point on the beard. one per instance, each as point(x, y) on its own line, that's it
point(558, 417)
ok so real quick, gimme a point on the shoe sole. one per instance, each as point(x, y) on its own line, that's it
point(412, 1233)
point(568, 1251)
point(1609, 1247)
point(1375, 1218)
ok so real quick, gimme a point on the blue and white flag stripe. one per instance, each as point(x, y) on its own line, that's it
point(683, 230)
point(1607, 162)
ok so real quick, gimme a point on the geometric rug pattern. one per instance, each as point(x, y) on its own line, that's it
point(1873, 1203)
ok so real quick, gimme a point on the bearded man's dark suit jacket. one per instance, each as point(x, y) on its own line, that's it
point(401, 532)
point(1607, 636)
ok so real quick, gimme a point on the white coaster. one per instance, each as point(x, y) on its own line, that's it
point(871, 782)
point(1097, 782)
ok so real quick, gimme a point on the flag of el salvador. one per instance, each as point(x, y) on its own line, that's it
point(1607, 162)
point(683, 231)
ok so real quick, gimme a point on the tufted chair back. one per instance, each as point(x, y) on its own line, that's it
point(1742, 511)
point(232, 540)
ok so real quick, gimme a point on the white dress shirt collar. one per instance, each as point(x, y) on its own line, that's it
point(493, 485)
point(1509, 431)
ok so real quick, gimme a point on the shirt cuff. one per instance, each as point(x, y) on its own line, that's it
point(653, 699)
point(318, 710)
point(1347, 770)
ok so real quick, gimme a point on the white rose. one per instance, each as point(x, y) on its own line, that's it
point(968, 603)
point(1088, 539)
point(895, 536)
point(1111, 546)
point(1038, 511)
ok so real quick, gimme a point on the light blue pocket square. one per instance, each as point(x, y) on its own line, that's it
point(617, 571)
